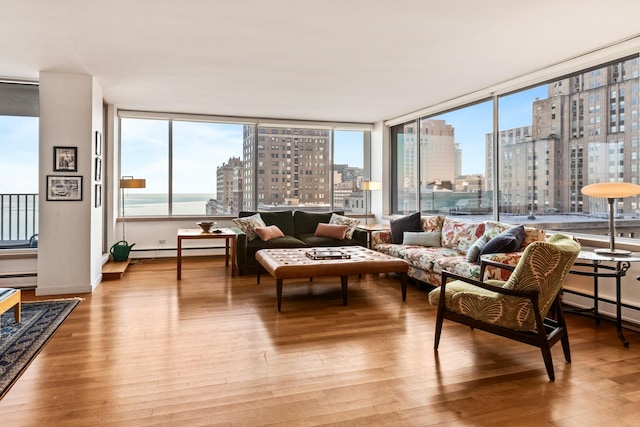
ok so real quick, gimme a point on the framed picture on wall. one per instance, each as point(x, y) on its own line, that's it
point(98, 143)
point(98, 176)
point(64, 188)
point(65, 159)
point(98, 192)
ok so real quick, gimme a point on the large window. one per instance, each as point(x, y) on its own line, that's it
point(19, 153)
point(440, 163)
point(553, 140)
point(206, 168)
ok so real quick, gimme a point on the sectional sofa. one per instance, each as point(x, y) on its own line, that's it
point(453, 246)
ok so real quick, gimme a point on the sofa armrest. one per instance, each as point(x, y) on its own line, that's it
point(360, 236)
point(379, 237)
point(507, 260)
point(241, 247)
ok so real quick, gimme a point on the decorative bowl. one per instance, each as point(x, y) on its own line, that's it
point(206, 226)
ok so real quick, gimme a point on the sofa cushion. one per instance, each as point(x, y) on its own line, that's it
point(408, 223)
point(473, 254)
point(269, 232)
point(422, 238)
point(507, 241)
point(279, 242)
point(315, 241)
point(334, 231)
point(352, 223)
point(460, 235)
point(307, 222)
point(248, 224)
point(425, 257)
point(283, 219)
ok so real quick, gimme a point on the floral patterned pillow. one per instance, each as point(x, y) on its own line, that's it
point(352, 223)
point(432, 223)
point(249, 224)
point(460, 235)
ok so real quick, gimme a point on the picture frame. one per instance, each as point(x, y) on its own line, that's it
point(65, 159)
point(98, 172)
point(98, 193)
point(64, 188)
point(98, 143)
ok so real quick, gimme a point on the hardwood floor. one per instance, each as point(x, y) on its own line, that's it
point(148, 350)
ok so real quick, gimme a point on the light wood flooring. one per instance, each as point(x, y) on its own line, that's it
point(148, 350)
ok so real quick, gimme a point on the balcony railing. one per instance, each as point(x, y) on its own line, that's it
point(18, 219)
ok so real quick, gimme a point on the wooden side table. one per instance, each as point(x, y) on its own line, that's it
point(195, 233)
point(370, 228)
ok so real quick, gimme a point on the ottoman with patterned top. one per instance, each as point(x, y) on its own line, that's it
point(295, 263)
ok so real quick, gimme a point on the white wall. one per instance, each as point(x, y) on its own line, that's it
point(70, 232)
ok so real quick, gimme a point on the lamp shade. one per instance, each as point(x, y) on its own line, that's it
point(611, 190)
point(371, 185)
point(130, 182)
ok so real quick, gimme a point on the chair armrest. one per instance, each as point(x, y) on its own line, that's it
point(533, 295)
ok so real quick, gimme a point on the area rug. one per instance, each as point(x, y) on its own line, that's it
point(21, 342)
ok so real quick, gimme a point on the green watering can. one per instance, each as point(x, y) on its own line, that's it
point(120, 251)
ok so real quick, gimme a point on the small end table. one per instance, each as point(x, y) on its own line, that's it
point(370, 228)
point(195, 233)
point(617, 271)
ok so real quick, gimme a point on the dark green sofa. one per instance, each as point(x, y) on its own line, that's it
point(298, 228)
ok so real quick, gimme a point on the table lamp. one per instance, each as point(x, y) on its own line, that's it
point(611, 191)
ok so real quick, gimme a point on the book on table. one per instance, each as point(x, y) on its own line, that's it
point(326, 254)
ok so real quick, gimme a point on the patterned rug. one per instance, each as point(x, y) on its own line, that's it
point(21, 343)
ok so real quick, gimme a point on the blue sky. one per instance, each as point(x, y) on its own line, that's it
point(19, 154)
point(473, 123)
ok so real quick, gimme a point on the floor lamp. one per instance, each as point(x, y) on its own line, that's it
point(368, 186)
point(129, 182)
point(611, 191)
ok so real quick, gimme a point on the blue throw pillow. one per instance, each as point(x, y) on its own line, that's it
point(399, 226)
point(507, 241)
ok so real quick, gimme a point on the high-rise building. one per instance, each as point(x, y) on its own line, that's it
point(585, 131)
point(229, 186)
point(293, 167)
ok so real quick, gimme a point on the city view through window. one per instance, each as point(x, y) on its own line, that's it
point(221, 169)
point(553, 140)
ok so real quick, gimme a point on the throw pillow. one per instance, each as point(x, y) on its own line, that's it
point(473, 254)
point(269, 232)
point(352, 223)
point(248, 225)
point(399, 226)
point(422, 238)
point(335, 231)
point(507, 241)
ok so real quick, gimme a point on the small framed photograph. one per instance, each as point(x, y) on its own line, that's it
point(65, 159)
point(64, 188)
point(98, 192)
point(98, 175)
point(98, 143)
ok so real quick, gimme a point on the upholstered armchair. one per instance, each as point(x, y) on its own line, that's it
point(525, 308)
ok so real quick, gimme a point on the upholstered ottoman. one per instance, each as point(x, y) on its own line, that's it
point(295, 264)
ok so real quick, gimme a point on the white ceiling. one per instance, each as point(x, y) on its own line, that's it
point(335, 60)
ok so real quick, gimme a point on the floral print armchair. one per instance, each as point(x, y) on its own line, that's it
point(516, 308)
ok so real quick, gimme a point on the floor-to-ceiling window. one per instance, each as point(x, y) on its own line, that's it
point(19, 159)
point(553, 139)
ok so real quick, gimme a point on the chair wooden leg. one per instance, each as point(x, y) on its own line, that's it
point(439, 320)
point(548, 362)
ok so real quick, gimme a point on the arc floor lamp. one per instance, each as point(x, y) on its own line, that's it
point(611, 191)
point(129, 182)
